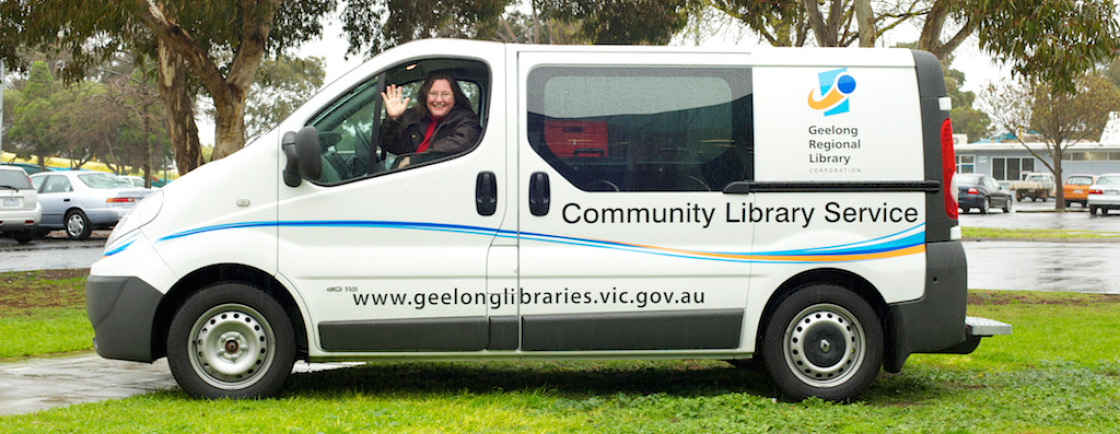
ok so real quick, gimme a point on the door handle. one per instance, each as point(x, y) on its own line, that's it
point(66, 200)
point(539, 194)
point(486, 193)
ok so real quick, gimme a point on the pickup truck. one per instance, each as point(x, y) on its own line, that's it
point(1035, 185)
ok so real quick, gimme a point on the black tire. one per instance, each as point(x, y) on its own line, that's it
point(1068, 203)
point(77, 225)
point(798, 339)
point(1092, 210)
point(248, 335)
point(1007, 205)
point(985, 205)
point(24, 237)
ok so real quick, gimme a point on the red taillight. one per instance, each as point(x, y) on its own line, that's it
point(973, 191)
point(120, 200)
point(1095, 191)
point(948, 169)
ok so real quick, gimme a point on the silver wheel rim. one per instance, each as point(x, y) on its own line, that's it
point(825, 345)
point(231, 346)
point(75, 224)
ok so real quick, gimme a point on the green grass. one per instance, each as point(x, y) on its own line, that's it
point(1059, 372)
point(1036, 234)
point(43, 312)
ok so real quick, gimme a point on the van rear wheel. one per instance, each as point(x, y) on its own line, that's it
point(823, 341)
point(231, 340)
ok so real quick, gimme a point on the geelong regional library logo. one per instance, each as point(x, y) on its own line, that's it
point(835, 86)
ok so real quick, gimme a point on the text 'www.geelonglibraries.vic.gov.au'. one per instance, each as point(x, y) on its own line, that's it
point(509, 297)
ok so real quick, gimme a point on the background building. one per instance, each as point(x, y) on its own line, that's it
point(1005, 160)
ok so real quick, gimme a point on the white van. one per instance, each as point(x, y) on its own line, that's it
point(620, 202)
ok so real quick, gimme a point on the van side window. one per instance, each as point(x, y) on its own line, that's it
point(350, 129)
point(643, 128)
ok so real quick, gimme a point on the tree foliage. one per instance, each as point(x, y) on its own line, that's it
point(1049, 40)
point(283, 84)
point(35, 107)
point(409, 20)
point(1060, 118)
point(85, 120)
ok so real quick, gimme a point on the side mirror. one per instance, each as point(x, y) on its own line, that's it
point(291, 169)
point(302, 151)
point(307, 147)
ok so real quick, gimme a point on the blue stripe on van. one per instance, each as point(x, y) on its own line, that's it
point(902, 243)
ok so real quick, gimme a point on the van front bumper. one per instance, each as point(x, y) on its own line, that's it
point(122, 311)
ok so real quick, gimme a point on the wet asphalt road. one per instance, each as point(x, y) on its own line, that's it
point(1074, 266)
point(55, 252)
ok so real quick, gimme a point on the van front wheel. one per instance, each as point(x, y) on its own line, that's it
point(231, 340)
point(823, 341)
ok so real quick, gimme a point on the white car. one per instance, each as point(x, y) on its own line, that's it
point(80, 201)
point(1105, 194)
point(20, 212)
point(135, 181)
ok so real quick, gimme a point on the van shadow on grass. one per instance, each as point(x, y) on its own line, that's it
point(579, 380)
point(568, 379)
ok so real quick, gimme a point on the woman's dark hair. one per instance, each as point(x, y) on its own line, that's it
point(460, 98)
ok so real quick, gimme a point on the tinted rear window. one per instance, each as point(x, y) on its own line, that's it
point(968, 180)
point(15, 178)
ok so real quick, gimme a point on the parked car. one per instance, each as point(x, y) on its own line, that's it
point(1076, 189)
point(1105, 193)
point(1035, 185)
point(20, 212)
point(31, 169)
point(81, 201)
point(135, 181)
point(982, 192)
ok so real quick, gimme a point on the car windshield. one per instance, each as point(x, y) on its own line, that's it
point(1108, 180)
point(101, 180)
point(14, 178)
point(968, 179)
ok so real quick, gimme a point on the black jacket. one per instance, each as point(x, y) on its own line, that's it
point(457, 132)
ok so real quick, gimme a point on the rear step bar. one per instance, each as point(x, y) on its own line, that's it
point(984, 327)
point(975, 329)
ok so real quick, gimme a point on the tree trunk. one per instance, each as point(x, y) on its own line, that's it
point(229, 91)
point(229, 127)
point(147, 167)
point(178, 109)
point(930, 40)
point(824, 32)
point(865, 17)
point(1059, 191)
